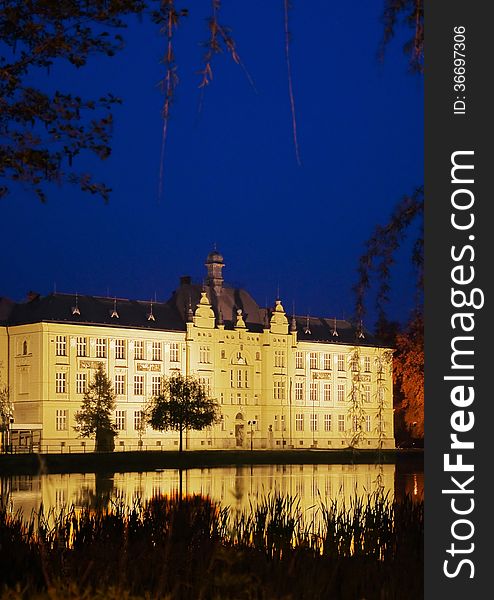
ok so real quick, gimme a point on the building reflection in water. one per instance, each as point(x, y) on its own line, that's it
point(237, 487)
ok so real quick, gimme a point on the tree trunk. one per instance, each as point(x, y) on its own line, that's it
point(181, 436)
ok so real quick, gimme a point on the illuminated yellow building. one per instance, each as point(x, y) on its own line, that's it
point(281, 382)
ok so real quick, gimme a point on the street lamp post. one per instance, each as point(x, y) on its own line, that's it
point(251, 423)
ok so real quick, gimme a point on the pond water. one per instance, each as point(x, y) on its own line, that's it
point(234, 486)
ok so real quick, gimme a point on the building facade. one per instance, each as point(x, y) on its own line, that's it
point(280, 381)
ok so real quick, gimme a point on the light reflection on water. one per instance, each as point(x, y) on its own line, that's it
point(235, 486)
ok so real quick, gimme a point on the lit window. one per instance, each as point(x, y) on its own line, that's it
point(81, 383)
point(313, 360)
point(279, 358)
point(156, 385)
point(341, 392)
point(313, 422)
point(341, 423)
point(367, 392)
point(61, 383)
point(327, 422)
point(120, 349)
point(156, 350)
point(204, 354)
point(314, 392)
point(120, 420)
point(367, 364)
point(61, 345)
point(61, 420)
point(100, 348)
point(299, 391)
point(299, 360)
point(367, 423)
point(81, 346)
point(327, 392)
point(327, 361)
point(174, 352)
point(279, 390)
point(138, 420)
point(120, 384)
point(138, 385)
point(299, 422)
point(341, 362)
point(139, 350)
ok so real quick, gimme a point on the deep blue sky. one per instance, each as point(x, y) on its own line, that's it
point(230, 172)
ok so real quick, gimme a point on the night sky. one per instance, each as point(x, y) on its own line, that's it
point(231, 175)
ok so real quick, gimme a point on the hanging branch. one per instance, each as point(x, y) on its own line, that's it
point(381, 249)
point(290, 82)
point(413, 13)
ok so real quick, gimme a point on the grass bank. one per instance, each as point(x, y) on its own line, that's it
point(93, 462)
point(191, 548)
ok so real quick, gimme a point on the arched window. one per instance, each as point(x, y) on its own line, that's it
point(239, 417)
point(24, 347)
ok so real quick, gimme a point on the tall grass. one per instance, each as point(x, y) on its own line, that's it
point(193, 548)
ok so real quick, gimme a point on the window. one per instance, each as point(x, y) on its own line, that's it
point(246, 379)
point(276, 423)
point(380, 395)
point(239, 378)
point(206, 384)
point(204, 354)
point(232, 382)
point(283, 423)
point(155, 385)
point(174, 352)
point(156, 350)
point(327, 361)
point(341, 423)
point(222, 423)
point(120, 349)
point(279, 390)
point(100, 348)
point(367, 423)
point(138, 385)
point(367, 364)
point(120, 384)
point(313, 360)
point(367, 392)
point(327, 422)
point(313, 422)
point(61, 383)
point(61, 420)
point(223, 354)
point(341, 392)
point(356, 424)
point(279, 358)
point(314, 392)
point(299, 391)
point(24, 347)
point(341, 362)
point(61, 345)
point(299, 422)
point(138, 420)
point(120, 420)
point(239, 398)
point(299, 360)
point(327, 392)
point(81, 346)
point(81, 383)
point(139, 350)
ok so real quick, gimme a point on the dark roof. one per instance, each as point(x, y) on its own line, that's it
point(172, 315)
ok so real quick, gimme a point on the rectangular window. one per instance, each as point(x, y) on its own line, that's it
point(100, 348)
point(204, 354)
point(367, 423)
point(239, 398)
point(81, 383)
point(341, 392)
point(61, 420)
point(279, 390)
point(314, 392)
point(327, 361)
point(327, 422)
point(139, 350)
point(138, 420)
point(81, 346)
point(327, 392)
point(283, 423)
point(341, 362)
point(120, 384)
point(341, 423)
point(61, 383)
point(155, 385)
point(279, 358)
point(276, 423)
point(222, 423)
point(367, 364)
point(299, 360)
point(313, 360)
point(61, 345)
point(246, 379)
point(120, 349)
point(120, 420)
point(156, 350)
point(299, 422)
point(313, 422)
point(367, 392)
point(174, 352)
point(138, 385)
point(239, 378)
point(299, 391)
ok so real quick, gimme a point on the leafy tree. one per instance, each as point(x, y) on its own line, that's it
point(95, 417)
point(183, 404)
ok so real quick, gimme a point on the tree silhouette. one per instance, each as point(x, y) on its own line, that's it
point(95, 419)
point(182, 404)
